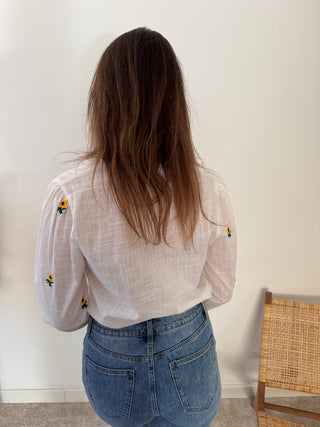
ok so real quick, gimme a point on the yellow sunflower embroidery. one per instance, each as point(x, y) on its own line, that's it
point(229, 231)
point(63, 205)
point(50, 280)
point(84, 302)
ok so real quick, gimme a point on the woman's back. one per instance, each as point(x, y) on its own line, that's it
point(129, 281)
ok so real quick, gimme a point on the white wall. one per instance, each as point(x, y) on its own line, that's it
point(252, 69)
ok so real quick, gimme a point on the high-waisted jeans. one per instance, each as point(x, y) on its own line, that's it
point(162, 372)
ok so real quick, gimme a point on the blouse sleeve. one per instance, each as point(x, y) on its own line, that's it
point(59, 272)
point(220, 266)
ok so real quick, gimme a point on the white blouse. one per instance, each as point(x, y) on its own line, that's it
point(89, 261)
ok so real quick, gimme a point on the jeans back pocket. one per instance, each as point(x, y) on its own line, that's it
point(196, 378)
point(109, 390)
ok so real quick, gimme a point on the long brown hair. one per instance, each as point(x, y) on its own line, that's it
point(139, 123)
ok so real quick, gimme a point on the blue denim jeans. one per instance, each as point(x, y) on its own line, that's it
point(162, 372)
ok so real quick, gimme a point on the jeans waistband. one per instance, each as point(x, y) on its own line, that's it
point(152, 326)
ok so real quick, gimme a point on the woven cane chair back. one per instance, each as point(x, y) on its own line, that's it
point(290, 354)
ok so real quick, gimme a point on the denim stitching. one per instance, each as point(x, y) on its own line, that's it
point(173, 364)
point(193, 356)
point(160, 330)
point(156, 356)
point(184, 342)
point(129, 373)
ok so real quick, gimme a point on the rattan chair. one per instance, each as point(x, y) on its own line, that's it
point(266, 420)
point(289, 357)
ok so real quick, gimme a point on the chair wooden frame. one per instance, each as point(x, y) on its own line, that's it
point(289, 357)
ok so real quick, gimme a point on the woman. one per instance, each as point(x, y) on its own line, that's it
point(123, 248)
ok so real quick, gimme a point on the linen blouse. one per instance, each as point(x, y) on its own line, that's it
point(90, 262)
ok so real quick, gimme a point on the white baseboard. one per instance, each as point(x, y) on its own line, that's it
point(43, 395)
point(79, 395)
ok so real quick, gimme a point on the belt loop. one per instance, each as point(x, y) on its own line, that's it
point(150, 331)
point(89, 325)
point(205, 309)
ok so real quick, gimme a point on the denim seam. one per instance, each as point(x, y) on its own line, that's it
point(123, 372)
point(193, 356)
point(183, 400)
point(120, 334)
point(128, 403)
point(181, 323)
point(156, 356)
point(184, 342)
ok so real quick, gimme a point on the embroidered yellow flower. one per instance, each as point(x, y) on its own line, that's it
point(50, 280)
point(84, 302)
point(229, 231)
point(63, 205)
